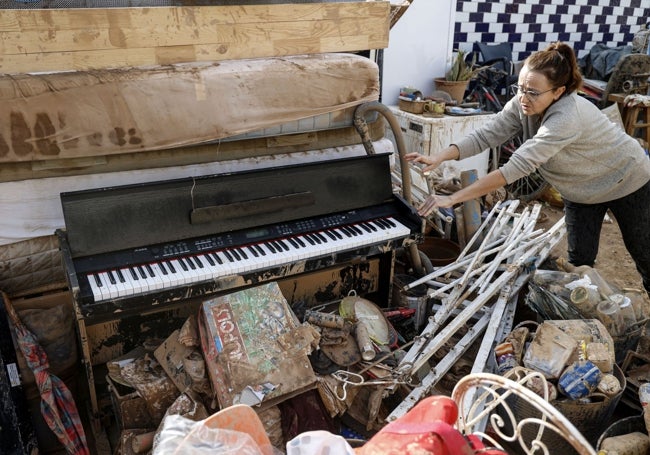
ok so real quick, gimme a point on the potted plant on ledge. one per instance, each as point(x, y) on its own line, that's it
point(457, 78)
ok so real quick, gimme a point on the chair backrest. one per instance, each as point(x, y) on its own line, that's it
point(505, 411)
point(630, 76)
point(499, 55)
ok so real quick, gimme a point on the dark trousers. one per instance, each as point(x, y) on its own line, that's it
point(632, 213)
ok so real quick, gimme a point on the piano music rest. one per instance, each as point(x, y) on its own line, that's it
point(134, 254)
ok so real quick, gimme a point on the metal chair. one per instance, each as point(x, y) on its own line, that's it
point(489, 407)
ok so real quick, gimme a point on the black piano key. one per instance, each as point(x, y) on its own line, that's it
point(184, 266)
point(321, 237)
point(171, 267)
point(209, 259)
point(228, 256)
point(338, 235)
point(382, 224)
point(260, 249)
point(356, 229)
point(365, 227)
point(198, 262)
point(300, 242)
point(284, 245)
point(315, 237)
point(270, 246)
point(163, 268)
point(235, 254)
point(120, 276)
point(216, 257)
point(347, 231)
point(134, 275)
point(150, 270)
point(390, 222)
point(253, 251)
point(293, 242)
point(370, 226)
point(140, 269)
point(309, 239)
point(242, 253)
point(111, 277)
point(98, 282)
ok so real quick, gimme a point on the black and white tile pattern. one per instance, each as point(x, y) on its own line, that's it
point(531, 25)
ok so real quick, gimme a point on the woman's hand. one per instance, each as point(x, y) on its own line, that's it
point(430, 162)
point(434, 202)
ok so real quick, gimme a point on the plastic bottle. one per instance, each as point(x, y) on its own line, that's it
point(610, 315)
point(625, 307)
point(597, 280)
point(586, 300)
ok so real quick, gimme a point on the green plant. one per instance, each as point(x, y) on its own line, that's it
point(461, 70)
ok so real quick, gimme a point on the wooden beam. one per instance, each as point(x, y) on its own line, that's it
point(94, 38)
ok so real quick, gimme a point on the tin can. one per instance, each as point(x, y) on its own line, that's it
point(579, 380)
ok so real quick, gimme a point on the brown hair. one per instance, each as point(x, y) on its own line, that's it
point(558, 63)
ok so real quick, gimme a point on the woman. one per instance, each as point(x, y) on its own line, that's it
point(589, 160)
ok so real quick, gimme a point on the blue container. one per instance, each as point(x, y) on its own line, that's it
point(579, 379)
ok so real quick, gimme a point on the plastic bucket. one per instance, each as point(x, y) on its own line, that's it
point(439, 251)
point(624, 426)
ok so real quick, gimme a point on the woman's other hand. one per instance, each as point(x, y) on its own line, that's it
point(434, 202)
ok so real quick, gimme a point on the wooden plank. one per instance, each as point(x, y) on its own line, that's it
point(93, 38)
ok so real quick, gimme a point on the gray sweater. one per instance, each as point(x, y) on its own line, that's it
point(575, 147)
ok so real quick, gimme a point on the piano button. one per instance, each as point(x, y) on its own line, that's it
point(253, 251)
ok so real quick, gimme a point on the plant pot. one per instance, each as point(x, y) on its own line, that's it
point(456, 89)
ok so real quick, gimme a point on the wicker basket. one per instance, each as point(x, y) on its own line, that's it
point(414, 107)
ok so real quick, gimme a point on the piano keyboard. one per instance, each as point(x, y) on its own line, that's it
point(209, 265)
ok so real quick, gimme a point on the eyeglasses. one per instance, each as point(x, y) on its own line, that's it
point(530, 94)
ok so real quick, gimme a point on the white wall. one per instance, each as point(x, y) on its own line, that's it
point(419, 48)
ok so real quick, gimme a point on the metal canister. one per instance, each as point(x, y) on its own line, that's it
point(579, 380)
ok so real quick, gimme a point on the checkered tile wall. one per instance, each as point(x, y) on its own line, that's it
point(531, 25)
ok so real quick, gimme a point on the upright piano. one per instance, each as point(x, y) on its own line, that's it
point(133, 250)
